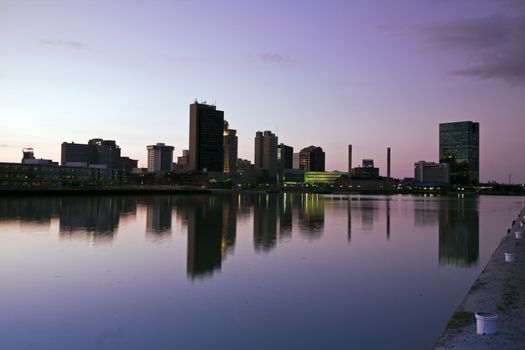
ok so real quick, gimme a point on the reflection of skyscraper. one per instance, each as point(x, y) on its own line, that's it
point(229, 224)
point(459, 232)
point(265, 213)
point(285, 215)
point(158, 215)
point(204, 236)
point(311, 214)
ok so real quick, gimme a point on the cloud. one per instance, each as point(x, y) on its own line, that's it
point(493, 46)
point(271, 57)
point(63, 43)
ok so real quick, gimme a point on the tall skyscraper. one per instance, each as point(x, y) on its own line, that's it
point(311, 159)
point(230, 149)
point(160, 157)
point(459, 147)
point(266, 152)
point(96, 152)
point(206, 138)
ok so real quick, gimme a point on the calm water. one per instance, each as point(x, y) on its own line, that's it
point(240, 271)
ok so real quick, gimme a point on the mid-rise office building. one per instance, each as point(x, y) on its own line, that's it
point(266, 152)
point(434, 173)
point(312, 158)
point(230, 149)
point(160, 158)
point(244, 166)
point(206, 138)
point(459, 147)
point(126, 163)
point(97, 153)
point(183, 161)
point(285, 156)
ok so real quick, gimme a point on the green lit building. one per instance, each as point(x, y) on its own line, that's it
point(322, 176)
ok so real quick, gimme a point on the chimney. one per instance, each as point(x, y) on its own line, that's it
point(349, 160)
point(388, 163)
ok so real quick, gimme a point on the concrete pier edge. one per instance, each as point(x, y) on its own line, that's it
point(499, 289)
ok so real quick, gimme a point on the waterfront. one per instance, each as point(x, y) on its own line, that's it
point(240, 271)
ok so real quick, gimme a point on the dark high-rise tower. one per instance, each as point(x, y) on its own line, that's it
point(285, 156)
point(459, 147)
point(266, 152)
point(230, 149)
point(206, 138)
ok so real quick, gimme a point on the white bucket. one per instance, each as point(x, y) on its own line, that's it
point(510, 257)
point(519, 234)
point(486, 323)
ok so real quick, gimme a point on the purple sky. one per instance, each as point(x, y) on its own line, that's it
point(374, 74)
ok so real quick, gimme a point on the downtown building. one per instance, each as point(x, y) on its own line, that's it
point(230, 141)
point(97, 153)
point(312, 159)
point(285, 156)
point(206, 138)
point(459, 147)
point(160, 158)
point(266, 153)
point(432, 173)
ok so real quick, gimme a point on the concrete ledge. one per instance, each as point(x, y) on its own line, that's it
point(500, 289)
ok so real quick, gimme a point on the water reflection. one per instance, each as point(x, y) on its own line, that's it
point(159, 216)
point(426, 212)
point(93, 218)
point(459, 232)
point(265, 222)
point(311, 215)
point(211, 220)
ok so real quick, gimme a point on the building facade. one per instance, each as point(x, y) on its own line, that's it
point(367, 170)
point(126, 163)
point(459, 147)
point(97, 153)
point(206, 138)
point(428, 172)
point(160, 158)
point(312, 159)
point(266, 152)
point(230, 149)
point(285, 156)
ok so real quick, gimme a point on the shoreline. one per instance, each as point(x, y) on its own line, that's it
point(499, 289)
point(168, 189)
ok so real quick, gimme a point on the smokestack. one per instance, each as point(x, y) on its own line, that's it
point(349, 160)
point(388, 163)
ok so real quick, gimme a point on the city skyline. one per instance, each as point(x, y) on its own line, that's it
point(70, 74)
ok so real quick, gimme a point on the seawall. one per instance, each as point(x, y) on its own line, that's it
point(499, 289)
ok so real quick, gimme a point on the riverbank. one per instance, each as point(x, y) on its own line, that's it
point(500, 289)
